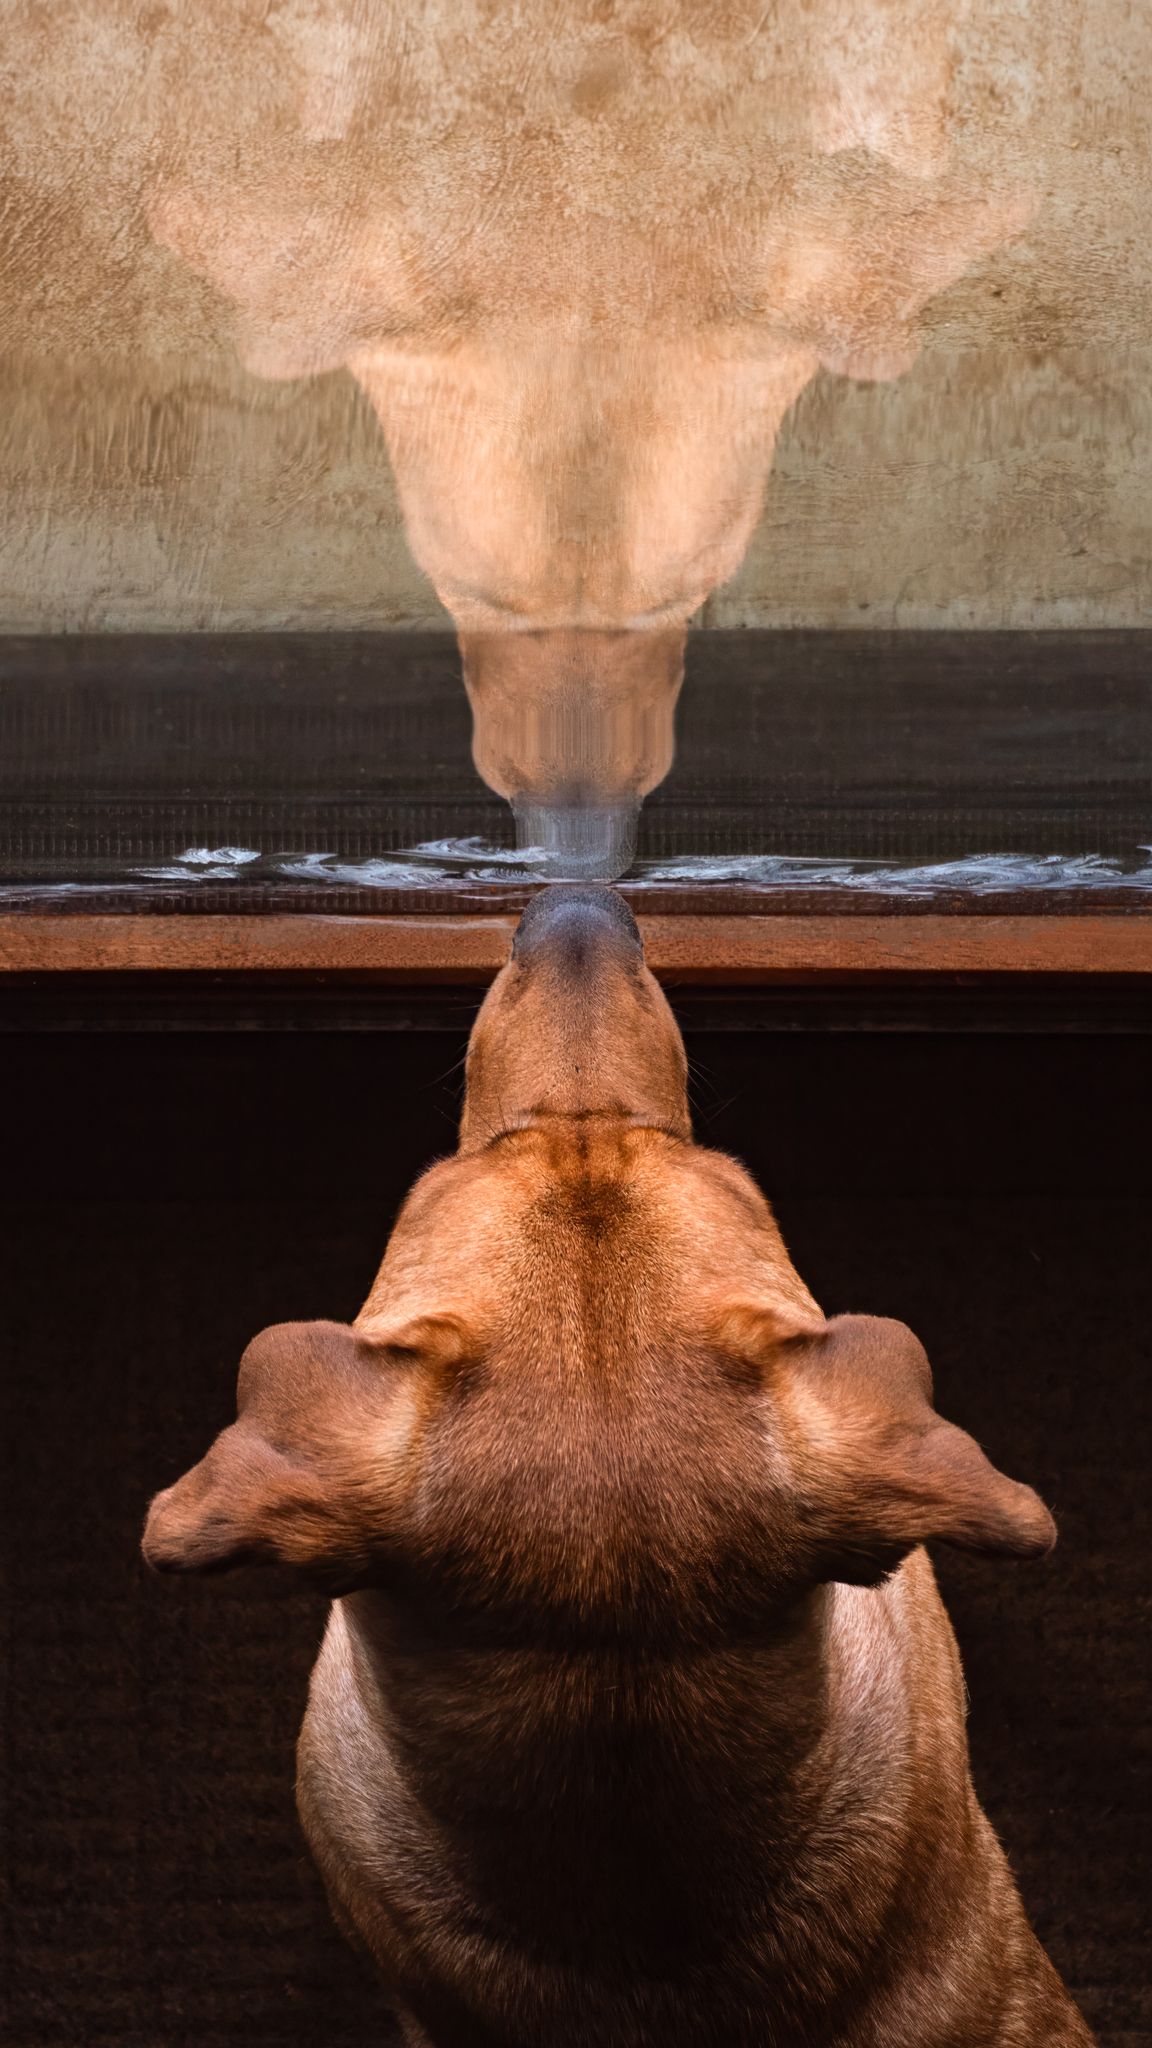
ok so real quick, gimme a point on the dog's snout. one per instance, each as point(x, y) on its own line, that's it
point(576, 926)
point(575, 1025)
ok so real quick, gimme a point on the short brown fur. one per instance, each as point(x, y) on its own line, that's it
point(638, 1722)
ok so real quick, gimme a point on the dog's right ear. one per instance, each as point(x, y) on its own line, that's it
point(874, 1470)
point(882, 1470)
point(307, 1474)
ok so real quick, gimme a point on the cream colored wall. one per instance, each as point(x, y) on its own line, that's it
point(185, 495)
point(148, 482)
point(991, 488)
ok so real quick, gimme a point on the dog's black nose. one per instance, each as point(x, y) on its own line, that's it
point(575, 923)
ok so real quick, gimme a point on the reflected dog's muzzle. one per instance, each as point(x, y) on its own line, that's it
point(574, 726)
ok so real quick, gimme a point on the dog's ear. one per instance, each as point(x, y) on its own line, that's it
point(876, 1470)
point(307, 1475)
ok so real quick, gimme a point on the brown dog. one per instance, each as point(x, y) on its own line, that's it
point(638, 1722)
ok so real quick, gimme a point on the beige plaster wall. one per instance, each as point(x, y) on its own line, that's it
point(148, 481)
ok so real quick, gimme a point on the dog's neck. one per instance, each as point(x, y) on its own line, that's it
point(576, 1781)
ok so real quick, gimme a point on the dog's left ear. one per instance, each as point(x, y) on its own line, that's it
point(877, 1471)
point(307, 1475)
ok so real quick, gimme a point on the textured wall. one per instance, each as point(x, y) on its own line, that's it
point(148, 480)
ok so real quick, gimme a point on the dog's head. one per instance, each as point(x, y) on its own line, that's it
point(588, 1390)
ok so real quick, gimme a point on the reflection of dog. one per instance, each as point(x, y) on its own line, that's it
point(582, 260)
point(638, 1720)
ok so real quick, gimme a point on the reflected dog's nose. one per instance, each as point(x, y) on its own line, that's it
point(574, 725)
point(576, 928)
